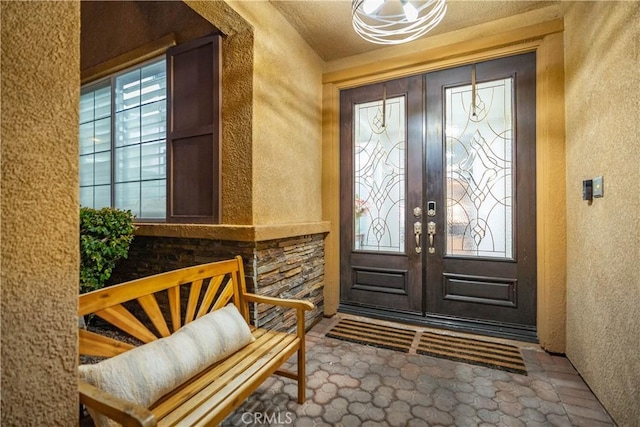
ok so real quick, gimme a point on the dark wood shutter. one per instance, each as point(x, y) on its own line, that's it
point(193, 134)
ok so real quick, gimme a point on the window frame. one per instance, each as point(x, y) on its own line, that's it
point(110, 82)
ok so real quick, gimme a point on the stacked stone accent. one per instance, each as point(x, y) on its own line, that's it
point(290, 268)
point(286, 268)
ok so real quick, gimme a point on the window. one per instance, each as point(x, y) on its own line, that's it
point(150, 137)
point(123, 148)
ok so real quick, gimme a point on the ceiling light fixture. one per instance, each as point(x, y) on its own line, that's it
point(396, 21)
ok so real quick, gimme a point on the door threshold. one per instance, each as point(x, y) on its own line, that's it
point(459, 324)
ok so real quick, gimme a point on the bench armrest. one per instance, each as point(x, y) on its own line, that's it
point(282, 302)
point(126, 413)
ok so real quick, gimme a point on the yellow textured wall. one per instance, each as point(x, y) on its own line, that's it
point(40, 78)
point(237, 109)
point(272, 121)
point(287, 120)
point(603, 239)
point(286, 123)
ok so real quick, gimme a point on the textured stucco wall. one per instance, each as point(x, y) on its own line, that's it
point(285, 129)
point(237, 109)
point(39, 201)
point(112, 28)
point(603, 239)
point(287, 120)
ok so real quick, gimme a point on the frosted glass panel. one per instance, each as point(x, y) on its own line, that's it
point(128, 163)
point(86, 196)
point(102, 136)
point(103, 102)
point(86, 170)
point(128, 197)
point(86, 107)
point(86, 138)
point(128, 127)
point(154, 160)
point(154, 85)
point(379, 176)
point(102, 197)
point(154, 120)
point(153, 193)
point(128, 90)
point(102, 167)
point(479, 170)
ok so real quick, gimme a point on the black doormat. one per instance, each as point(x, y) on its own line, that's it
point(372, 334)
point(495, 355)
point(490, 354)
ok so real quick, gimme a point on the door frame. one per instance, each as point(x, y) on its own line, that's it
point(546, 39)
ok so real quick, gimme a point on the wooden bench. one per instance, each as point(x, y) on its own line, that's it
point(168, 301)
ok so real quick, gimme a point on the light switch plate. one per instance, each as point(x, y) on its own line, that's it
point(598, 186)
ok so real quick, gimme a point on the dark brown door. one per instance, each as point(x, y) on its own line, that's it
point(456, 185)
point(381, 147)
point(481, 181)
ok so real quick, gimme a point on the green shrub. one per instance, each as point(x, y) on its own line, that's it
point(105, 237)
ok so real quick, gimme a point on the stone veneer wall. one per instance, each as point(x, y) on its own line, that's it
point(287, 268)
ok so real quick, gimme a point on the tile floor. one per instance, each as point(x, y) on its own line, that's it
point(355, 385)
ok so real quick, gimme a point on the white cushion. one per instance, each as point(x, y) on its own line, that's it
point(146, 373)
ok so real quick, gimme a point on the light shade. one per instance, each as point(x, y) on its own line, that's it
point(396, 21)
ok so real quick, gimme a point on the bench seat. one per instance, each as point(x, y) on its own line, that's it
point(225, 383)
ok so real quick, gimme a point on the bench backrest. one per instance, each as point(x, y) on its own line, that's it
point(156, 306)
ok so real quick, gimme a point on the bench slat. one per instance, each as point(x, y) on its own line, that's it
point(236, 377)
point(92, 344)
point(194, 296)
point(100, 299)
point(209, 295)
point(174, 307)
point(150, 306)
point(167, 404)
point(232, 395)
point(122, 318)
point(225, 296)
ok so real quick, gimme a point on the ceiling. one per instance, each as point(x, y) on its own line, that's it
point(326, 24)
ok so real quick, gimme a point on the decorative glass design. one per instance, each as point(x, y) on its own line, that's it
point(479, 170)
point(379, 175)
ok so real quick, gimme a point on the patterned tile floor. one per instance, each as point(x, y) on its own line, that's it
point(355, 385)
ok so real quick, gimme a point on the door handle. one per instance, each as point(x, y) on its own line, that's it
point(417, 230)
point(431, 231)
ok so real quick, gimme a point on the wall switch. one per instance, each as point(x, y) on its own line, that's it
point(587, 189)
point(598, 186)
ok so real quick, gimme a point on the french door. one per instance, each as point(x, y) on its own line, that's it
point(438, 198)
